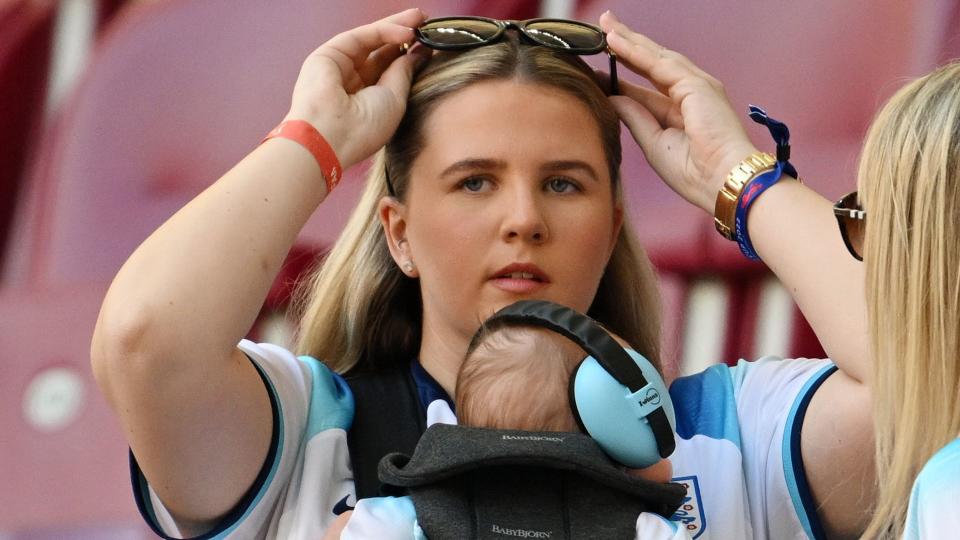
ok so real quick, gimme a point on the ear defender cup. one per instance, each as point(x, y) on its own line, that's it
point(616, 395)
point(616, 417)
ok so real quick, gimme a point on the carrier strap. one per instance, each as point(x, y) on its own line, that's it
point(387, 418)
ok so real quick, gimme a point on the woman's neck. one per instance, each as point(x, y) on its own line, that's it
point(441, 356)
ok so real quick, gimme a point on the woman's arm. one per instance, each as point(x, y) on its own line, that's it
point(692, 137)
point(193, 408)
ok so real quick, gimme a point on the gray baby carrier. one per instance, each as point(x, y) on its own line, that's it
point(495, 484)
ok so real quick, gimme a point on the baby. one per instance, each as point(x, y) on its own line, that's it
point(513, 377)
point(517, 377)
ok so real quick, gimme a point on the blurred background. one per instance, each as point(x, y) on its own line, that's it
point(114, 113)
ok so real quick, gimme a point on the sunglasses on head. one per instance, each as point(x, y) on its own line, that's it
point(852, 220)
point(573, 37)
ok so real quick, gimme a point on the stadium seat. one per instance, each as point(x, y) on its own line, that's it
point(25, 40)
point(64, 460)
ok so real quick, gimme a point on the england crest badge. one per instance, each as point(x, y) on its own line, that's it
point(690, 514)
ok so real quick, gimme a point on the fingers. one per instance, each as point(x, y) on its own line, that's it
point(360, 42)
point(399, 74)
point(378, 62)
point(409, 17)
point(642, 124)
point(664, 109)
point(661, 66)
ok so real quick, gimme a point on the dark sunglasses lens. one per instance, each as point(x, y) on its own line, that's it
point(853, 227)
point(565, 35)
point(855, 234)
point(459, 32)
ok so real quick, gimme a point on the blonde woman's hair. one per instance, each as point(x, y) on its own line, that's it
point(909, 182)
point(359, 311)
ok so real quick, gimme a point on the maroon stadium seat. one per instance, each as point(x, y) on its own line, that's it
point(25, 41)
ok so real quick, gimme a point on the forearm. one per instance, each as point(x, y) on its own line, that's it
point(196, 285)
point(795, 233)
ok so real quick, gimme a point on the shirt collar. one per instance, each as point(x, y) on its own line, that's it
point(428, 389)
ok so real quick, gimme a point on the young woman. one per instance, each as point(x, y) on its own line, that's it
point(499, 181)
point(909, 181)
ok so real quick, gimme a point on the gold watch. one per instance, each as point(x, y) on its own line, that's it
point(725, 212)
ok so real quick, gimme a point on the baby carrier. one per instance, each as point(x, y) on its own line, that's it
point(491, 484)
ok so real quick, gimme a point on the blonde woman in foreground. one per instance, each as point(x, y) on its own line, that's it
point(503, 163)
point(909, 185)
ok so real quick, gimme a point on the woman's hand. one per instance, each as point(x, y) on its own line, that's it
point(336, 528)
point(354, 88)
point(686, 128)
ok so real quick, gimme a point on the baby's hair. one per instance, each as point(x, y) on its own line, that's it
point(516, 377)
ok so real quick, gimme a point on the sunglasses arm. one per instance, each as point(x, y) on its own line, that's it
point(614, 82)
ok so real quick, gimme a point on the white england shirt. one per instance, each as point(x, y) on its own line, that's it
point(737, 452)
point(932, 513)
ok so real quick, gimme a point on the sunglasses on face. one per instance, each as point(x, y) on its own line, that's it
point(573, 37)
point(852, 220)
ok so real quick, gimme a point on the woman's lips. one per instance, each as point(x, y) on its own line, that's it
point(518, 286)
point(520, 278)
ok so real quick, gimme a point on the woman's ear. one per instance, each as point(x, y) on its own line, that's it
point(393, 217)
point(617, 225)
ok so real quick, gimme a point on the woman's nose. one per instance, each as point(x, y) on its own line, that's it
point(524, 219)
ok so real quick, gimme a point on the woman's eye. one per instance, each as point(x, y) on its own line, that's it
point(562, 185)
point(475, 183)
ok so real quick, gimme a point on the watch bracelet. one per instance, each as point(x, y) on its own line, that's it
point(737, 180)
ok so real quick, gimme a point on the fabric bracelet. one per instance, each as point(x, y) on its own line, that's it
point(304, 134)
point(781, 135)
point(750, 193)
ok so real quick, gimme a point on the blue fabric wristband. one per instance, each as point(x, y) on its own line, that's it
point(781, 135)
point(750, 194)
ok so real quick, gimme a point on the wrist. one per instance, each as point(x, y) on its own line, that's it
point(309, 138)
point(738, 191)
point(329, 130)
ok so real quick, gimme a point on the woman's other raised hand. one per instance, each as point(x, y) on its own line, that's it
point(686, 127)
point(692, 137)
point(354, 88)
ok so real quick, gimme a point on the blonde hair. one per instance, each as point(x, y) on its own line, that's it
point(517, 377)
point(909, 181)
point(359, 311)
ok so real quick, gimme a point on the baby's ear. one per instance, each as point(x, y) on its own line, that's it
point(660, 472)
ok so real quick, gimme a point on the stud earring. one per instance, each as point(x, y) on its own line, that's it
point(408, 266)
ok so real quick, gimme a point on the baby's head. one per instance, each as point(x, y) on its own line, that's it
point(517, 377)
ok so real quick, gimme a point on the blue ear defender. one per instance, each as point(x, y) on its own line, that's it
point(616, 417)
point(617, 396)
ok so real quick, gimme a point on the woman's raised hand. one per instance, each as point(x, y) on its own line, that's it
point(686, 127)
point(354, 88)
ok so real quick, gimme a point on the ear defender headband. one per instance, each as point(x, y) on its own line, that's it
point(616, 395)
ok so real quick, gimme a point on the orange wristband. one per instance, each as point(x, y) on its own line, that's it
point(303, 133)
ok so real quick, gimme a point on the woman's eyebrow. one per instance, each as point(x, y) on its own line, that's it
point(473, 164)
point(570, 165)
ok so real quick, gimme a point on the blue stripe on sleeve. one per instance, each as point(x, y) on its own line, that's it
point(796, 476)
point(331, 401)
point(704, 405)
